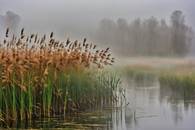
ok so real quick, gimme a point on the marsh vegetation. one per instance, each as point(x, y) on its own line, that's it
point(47, 83)
point(42, 77)
point(177, 78)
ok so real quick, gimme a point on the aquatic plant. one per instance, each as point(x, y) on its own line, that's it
point(45, 77)
point(178, 79)
point(183, 84)
point(140, 73)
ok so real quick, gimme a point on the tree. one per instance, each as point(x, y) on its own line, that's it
point(122, 35)
point(147, 36)
point(179, 29)
point(152, 25)
point(106, 30)
point(136, 36)
point(9, 20)
point(164, 40)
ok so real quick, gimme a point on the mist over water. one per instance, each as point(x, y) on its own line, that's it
point(48, 48)
point(78, 19)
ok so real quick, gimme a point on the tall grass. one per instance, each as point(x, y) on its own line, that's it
point(44, 77)
point(140, 73)
point(182, 84)
point(178, 79)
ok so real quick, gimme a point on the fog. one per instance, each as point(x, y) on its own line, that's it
point(77, 17)
point(81, 18)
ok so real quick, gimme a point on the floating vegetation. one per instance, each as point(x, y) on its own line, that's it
point(44, 77)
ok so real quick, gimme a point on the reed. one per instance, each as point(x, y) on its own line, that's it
point(183, 84)
point(44, 77)
point(177, 79)
point(140, 73)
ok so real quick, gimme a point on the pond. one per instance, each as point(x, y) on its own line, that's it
point(151, 107)
point(148, 106)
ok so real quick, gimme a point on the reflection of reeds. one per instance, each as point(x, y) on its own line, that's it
point(41, 76)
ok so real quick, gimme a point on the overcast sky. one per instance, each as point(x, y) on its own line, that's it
point(78, 15)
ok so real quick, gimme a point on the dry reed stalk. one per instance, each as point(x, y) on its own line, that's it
point(26, 54)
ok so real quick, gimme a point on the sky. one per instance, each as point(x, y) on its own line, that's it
point(79, 16)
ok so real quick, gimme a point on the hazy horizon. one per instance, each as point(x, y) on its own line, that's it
point(81, 17)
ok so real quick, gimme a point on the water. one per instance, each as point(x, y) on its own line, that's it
point(152, 108)
point(147, 107)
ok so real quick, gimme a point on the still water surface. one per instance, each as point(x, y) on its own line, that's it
point(147, 107)
point(153, 108)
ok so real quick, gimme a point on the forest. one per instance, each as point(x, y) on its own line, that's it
point(149, 36)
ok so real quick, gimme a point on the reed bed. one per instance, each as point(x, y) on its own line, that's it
point(44, 77)
point(140, 73)
point(179, 79)
point(182, 84)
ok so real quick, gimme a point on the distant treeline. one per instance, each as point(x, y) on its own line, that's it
point(10, 20)
point(147, 37)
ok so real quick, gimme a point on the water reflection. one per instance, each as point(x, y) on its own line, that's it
point(148, 106)
point(152, 107)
